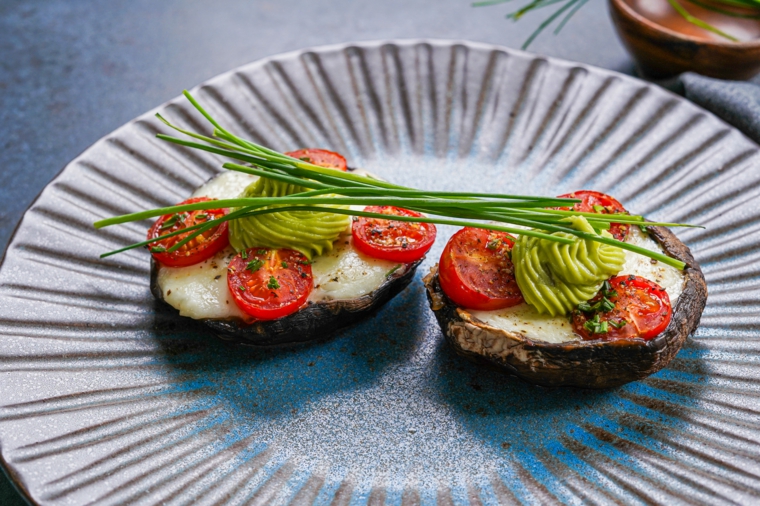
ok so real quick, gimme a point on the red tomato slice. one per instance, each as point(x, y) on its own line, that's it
point(398, 241)
point(200, 248)
point(476, 271)
point(269, 283)
point(642, 309)
point(321, 157)
point(597, 202)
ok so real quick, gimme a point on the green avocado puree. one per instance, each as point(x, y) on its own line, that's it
point(554, 277)
point(311, 233)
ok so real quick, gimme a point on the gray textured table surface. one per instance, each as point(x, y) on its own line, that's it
point(72, 71)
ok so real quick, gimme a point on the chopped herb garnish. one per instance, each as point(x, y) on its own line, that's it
point(390, 272)
point(607, 290)
point(201, 216)
point(284, 265)
point(244, 254)
point(603, 305)
point(273, 284)
point(241, 288)
point(158, 249)
point(595, 326)
point(254, 265)
point(598, 208)
point(261, 251)
point(170, 222)
point(607, 305)
point(493, 244)
point(591, 326)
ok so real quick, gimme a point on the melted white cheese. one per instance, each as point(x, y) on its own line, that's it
point(670, 278)
point(526, 321)
point(346, 273)
point(200, 291)
point(227, 185)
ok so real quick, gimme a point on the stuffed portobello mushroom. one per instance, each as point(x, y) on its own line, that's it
point(292, 279)
point(318, 318)
point(587, 316)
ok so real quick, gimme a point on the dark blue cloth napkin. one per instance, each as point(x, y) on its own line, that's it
point(737, 103)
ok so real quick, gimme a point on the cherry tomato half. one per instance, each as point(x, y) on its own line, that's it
point(269, 283)
point(476, 271)
point(398, 241)
point(597, 202)
point(321, 157)
point(200, 248)
point(641, 309)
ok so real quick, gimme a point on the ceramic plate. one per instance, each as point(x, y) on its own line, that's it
point(108, 398)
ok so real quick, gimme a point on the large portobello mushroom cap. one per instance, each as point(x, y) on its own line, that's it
point(314, 322)
point(586, 364)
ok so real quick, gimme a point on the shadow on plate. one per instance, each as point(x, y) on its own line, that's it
point(507, 412)
point(279, 381)
point(396, 369)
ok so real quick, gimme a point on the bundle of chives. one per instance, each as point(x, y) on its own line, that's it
point(328, 187)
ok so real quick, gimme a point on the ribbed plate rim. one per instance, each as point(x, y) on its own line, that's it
point(16, 478)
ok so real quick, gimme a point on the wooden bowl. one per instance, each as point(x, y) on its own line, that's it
point(660, 52)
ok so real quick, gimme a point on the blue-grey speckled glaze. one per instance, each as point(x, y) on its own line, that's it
point(108, 397)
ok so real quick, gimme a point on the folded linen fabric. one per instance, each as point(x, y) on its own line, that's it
point(737, 103)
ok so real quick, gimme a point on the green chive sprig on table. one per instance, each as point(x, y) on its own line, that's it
point(326, 187)
point(750, 9)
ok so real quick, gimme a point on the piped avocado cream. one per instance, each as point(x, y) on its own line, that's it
point(311, 233)
point(555, 277)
